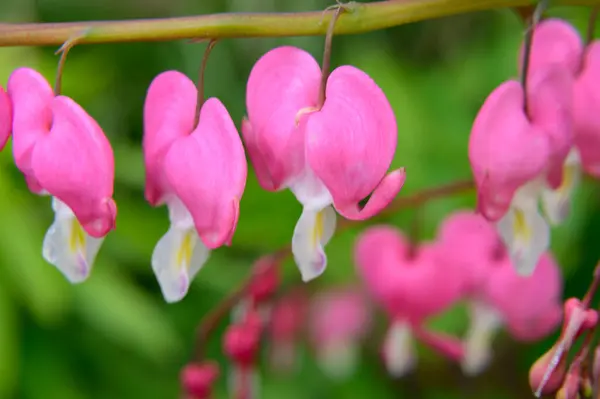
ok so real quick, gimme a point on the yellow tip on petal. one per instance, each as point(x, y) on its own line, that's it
point(521, 228)
point(77, 237)
point(317, 232)
point(186, 249)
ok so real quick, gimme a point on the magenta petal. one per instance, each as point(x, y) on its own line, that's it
point(447, 345)
point(74, 162)
point(586, 99)
point(550, 107)
point(207, 171)
point(32, 97)
point(350, 143)
point(555, 42)
point(283, 82)
point(169, 112)
point(530, 305)
point(256, 157)
point(5, 117)
point(505, 149)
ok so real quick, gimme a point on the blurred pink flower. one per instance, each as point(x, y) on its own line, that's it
point(339, 320)
point(402, 282)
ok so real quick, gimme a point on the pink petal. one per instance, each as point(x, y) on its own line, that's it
point(283, 82)
point(469, 244)
point(550, 102)
point(555, 42)
point(5, 117)
point(74, 162)
point(32, 98)
point(169, 112)
point(505, 149)
point(586, 103)
point(449, 346)
point(530, 305)
point(207, 171)
point(256, 157)
point(403, 285)
point(350, 144)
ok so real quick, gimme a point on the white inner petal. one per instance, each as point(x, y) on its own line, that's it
point(484, 323)
point(399, 352)
point(312, 232)
point(524, 231)
point(179, 254)
point(339, 359)
point(243, 382)
point(557, 203)
point(67, 246)
point(310, 190)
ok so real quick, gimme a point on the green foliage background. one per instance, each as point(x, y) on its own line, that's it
point(114, 337)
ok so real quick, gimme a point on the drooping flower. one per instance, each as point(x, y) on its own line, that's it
point(557, 44)
point(198, 171)
point(5, 117)
point(402, 282)
point(198, 379)
point(63, 152)
point(336, 154)
point(511, 153)
point(529, 307)
point(339, 320)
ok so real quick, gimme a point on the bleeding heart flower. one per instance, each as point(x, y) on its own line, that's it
point(511, 151)
point(339, 320)
point(336, 154)
point(402, 282)
point(198, 171)
point(63, 152)
point(498, 296)
point(5, 117)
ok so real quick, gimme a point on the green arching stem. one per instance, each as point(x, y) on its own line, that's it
point(363, 18)
point(528, 42)
point(326, 66)
point(200, 84)
point(64, 51)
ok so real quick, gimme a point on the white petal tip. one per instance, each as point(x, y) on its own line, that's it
point(175, 291)
point(313, 269)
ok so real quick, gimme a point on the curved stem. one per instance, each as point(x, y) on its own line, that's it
point(200, 84)
point(64, 51)
point(363, 18)
point(326, 66)
point(542, 6)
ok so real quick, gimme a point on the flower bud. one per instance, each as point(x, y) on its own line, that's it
point(265, 279)
point(241, 341)
point(197, 379)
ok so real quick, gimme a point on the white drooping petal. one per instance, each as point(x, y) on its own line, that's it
point(399, 352)
point(484, 323)
point(339, 359)
point(525, 233)
point(557, 203)
point(312, 232)
point(178, 255)
point(67, 246)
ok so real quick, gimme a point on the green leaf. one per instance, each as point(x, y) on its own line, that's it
point(9, 344)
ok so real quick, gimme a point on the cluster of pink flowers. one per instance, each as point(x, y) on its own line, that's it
point(330, 152)
point(528, 145)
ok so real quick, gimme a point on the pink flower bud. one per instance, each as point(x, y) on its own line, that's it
point(241, 341)
point(197, 379)
point(265, 280)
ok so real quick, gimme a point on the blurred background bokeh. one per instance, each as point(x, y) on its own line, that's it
point(115, 337)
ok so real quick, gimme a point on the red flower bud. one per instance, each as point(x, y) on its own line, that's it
point(197, 379)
